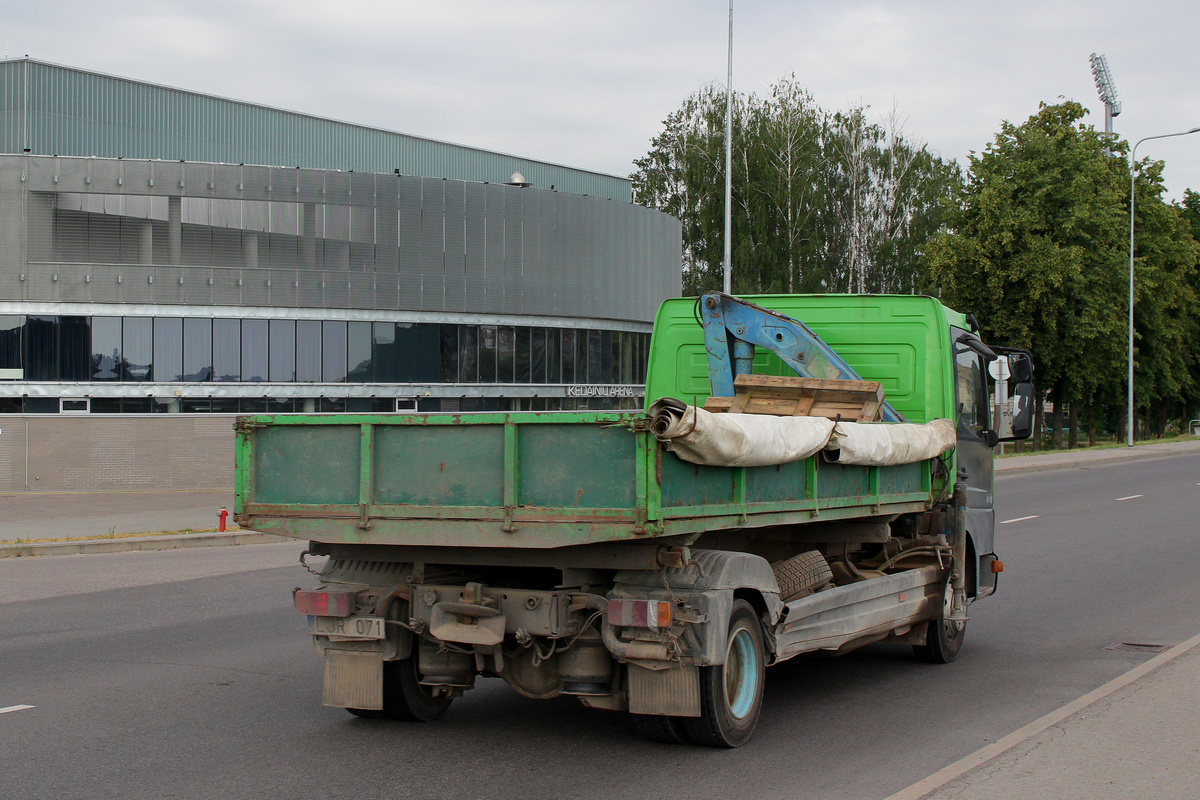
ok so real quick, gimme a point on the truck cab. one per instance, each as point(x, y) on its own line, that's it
point(929, 359)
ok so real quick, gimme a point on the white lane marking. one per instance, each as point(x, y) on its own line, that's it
point(14, 708)
point(1131, 497)
point(1002, 746)
point(1018, 519)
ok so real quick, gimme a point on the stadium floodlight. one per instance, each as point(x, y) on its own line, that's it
point(1107, 90)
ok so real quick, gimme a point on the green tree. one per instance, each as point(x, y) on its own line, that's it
point(1033, 249)
point(821, 202)
point(1037, 248)
point(1165, 291)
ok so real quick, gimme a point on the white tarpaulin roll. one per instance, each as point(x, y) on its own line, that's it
point(760, 440)
point(736, 440)
point(885, 444)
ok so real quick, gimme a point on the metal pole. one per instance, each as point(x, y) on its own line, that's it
point(728, 283)
point(1132, 200)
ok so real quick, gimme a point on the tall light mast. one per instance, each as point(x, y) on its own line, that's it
point(1107, 90)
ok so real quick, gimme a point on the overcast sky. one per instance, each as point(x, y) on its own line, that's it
point(587, 83)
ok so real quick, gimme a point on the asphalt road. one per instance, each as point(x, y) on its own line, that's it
point(170, 680)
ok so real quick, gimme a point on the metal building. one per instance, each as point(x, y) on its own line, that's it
point(56, 110)
point(148, 263)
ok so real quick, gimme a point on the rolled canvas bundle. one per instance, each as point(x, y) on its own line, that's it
point(735, 440)
point(883, 444)
point(759, 440)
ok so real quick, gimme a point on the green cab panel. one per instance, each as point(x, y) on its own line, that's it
point(902, 341)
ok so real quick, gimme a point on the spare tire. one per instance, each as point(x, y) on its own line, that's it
point(801, 575)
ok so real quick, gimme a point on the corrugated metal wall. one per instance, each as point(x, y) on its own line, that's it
point(73, 112)
point(124, 231)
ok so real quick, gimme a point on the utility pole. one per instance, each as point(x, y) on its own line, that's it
point(728, 267)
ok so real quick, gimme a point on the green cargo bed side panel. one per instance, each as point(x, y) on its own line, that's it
point(314, 464)
point(577, 466)
point(445, 465)
point(685, 484)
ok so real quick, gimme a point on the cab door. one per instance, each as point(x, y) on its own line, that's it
point(975, 459)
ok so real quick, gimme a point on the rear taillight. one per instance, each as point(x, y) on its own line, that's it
point(639, 613)
point(324, 604)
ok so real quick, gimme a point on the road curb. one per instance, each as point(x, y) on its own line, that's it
point(172, 542)
point(1058, 716)
point(1067, 458)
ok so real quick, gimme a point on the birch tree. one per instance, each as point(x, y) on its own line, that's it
point(821, 202)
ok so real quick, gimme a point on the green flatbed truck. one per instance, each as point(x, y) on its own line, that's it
point(572, 553)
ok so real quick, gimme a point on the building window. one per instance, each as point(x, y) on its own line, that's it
point(137, 348)
point(358, 353)
point(255, 338)
point(333, 351)
point(282, 350)
point(106, 348)
point(197, 349)
point(227, 350)
point(200, 350)
point(308, 351)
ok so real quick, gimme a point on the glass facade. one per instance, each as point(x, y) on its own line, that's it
point(192, 350)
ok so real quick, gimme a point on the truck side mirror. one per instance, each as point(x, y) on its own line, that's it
point(1022, 405)
point(1020, 367)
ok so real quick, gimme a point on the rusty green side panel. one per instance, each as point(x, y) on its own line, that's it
point(531, 479)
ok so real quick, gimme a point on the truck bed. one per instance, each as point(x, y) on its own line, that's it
point(526, 480)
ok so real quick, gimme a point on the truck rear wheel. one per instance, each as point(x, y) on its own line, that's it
point(668, 730)
point(944, 636)
point(731, 693)
point(403, 695)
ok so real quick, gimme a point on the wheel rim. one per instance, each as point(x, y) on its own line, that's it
point(741, 674)
point(952, 627)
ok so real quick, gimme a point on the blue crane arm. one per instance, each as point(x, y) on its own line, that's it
point(734, 327)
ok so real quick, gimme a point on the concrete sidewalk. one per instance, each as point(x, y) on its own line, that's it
point(1086, 458)
point(45, 515)
point(1137, 736)
point(101, 522)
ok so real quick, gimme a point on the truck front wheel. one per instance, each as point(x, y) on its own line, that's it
point(731, 693)
point(944, 637)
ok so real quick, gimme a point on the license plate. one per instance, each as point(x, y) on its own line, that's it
point(348, 627)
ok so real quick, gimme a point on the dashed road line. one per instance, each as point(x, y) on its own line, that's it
point(14, 708)
point(1018, 519)
point(1130, 497)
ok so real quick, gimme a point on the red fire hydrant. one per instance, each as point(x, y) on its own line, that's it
point(221, 515)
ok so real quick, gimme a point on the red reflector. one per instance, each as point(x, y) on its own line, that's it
point(324, 604)
point(997, 566)
point(639, 613)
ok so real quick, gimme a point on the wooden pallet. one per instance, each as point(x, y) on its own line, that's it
point(856, 401)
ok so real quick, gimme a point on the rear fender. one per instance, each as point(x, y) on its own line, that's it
point(707, 585)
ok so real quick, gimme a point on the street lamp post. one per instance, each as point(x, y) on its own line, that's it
point(727, 267)
point(1132, 200)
